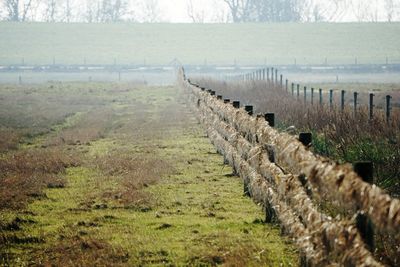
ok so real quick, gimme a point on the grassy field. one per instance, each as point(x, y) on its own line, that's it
point(120, 175)
point(39, 43)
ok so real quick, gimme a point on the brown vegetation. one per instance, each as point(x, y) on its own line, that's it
point(91, 126)
point(132, 173)
point(81, 251)
point(24, 174)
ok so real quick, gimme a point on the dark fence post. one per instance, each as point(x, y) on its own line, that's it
point(276, 75)
point(236, 104)
point(281, 80)
point(312, 96)
point(388, 108)
point(305, 138)
point(263, 74)
point(331, 98)
point(268, 74)
point(270, 118)
point(212, 92)
point(355, 103)
point(249, 110)
point(342, 100)
point(320, 97)
point(371, 106)
point(365, 171)
point(305, 94)
point(219, 97)
point(298, 91)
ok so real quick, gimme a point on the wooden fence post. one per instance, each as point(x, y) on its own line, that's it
point(342, 100)
point(371, 106)
point(249, 109)
point(331, 98)
point(305, 138)
point(276, 75)
point(365, 171)
point(298, 91)
point(320, 97)
point(312, 96)
point(236, 104)
point(388, 108)
point(305, 94)
point(355, 103)
point(281, 80)
point(268, 74)
point(270, 118)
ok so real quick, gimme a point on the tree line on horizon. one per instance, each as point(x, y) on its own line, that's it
point(224, 11)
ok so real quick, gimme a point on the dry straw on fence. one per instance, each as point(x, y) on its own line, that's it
point(249, 144)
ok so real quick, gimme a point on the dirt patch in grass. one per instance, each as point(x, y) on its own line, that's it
point(81, 251)
point(25, 174)
point(220, 249)
point(92, 126)
point(132, 173)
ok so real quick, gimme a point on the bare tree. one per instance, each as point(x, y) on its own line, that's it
point(239, 9)
point(195, 15)
point(91, 13)
point(151, 11)
point(113, 10)
point(264, 10)
point(391, 8)
point(220, 14)
point(50, 10)
point(18, 10)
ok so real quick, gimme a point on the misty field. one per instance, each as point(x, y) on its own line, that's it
point(127, 43)
point(120, 174)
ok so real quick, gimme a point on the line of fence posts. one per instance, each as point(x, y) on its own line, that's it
point(363, 169)
point(271, 76)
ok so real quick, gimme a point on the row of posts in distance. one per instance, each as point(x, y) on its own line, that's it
point(271, 75)
point(363, 169)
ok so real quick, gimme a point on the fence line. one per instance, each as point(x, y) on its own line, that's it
point(254, 76)
point(272, 164)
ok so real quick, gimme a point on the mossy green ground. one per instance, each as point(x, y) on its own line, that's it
point(197, 214)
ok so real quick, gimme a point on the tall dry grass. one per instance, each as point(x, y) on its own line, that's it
point(25, 174)
point(132, 173)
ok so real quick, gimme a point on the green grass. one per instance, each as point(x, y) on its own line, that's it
point(195, 213)
point(340, 43)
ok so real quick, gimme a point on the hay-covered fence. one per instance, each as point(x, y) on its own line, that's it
point(280, 173)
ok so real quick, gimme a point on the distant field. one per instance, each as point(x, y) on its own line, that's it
point(40, 43)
